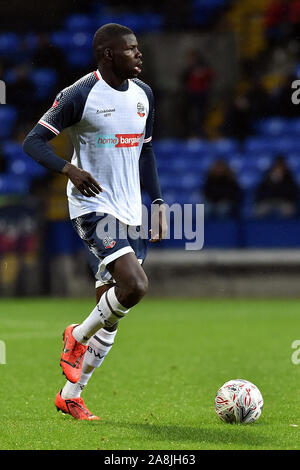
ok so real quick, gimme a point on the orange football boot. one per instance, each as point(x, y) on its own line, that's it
point(74, 407)
point(72, 355)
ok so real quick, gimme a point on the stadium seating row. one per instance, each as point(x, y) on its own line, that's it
point(43, 80)
point(180, 169)
point(229, 234)
point(202, 13)
point(225, 234)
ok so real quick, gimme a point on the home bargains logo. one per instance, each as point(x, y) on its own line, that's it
point(118, 140)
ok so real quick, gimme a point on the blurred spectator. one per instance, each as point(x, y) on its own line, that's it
point(281, 21)
point(294, 17)
point(238, 119)
point(221, 191)
point(47, 55)
point(277, 194)
point(275, 22)
point(3, 162)
point(197, 78)
point(20, 92)
point(260, 104)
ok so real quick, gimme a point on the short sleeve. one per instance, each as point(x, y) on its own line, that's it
point(68, 105)
point(63, 112)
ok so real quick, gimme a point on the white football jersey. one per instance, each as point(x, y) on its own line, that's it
point(108, 128)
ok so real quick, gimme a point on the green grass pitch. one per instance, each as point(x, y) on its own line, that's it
point(156, 389)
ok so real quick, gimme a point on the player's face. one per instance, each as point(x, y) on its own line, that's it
point(127, 57)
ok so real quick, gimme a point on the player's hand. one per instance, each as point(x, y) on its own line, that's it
point(159, 226)
point(82, 180)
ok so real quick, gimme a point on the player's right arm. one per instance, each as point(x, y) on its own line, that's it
point(65, 111)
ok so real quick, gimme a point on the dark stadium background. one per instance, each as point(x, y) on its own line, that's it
point(238, 108)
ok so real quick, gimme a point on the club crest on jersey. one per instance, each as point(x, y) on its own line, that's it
point(57, 99)
point(109, 242)
point(140, 109)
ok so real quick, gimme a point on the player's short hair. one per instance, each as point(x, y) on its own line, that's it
point(104, 36)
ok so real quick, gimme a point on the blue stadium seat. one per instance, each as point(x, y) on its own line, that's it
point(296, 175)
point(221, 233)
point(297, 71)
point(31, 41)
point(287, 143)
point(163, 164)
point(294, 126)
point(25, 167)
point(82, 40)
point(19, 163)
point(11, 184)
point(224, 146)
point(202, 163)
point(8, 118)
point(77, 48)
point(80, 22)
point(209, 4)
point(10, 147)
point(247, 203)
point(166, 181)
point(190, 181)
point(170, 196)
point(173, 180)
point(272, 144)
point(62, 39)
point(293, 160)
point(274, 126)
point(134, 21)
point(9, 44)
point(249, 178)
point(184, 196)
point(204, 11)
point(79, 58)
point(259, 144)
point(44, 80)
point(107, 17)
point(154, 22)
point(148, 22)
point(257, 162)
point(167, 148)
point(138, 22)
point(264, 161)
point(180, 163)
point(199, 167)
point(271, 233)
point(61, 238)
point(235, 161)
point(198, 146)
point(9, 75)
point(190, 196)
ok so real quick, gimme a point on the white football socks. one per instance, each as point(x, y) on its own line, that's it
point(98, 348)
point(71, 390)
point(106, 313)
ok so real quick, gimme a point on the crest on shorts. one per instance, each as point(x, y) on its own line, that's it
point(140, 109)
point(108, 242)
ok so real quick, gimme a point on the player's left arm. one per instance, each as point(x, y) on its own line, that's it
point(150, 183)
point(150, 180)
